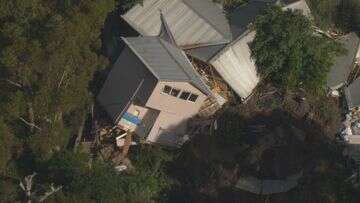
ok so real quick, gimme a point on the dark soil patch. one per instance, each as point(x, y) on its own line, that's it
point(281, 162)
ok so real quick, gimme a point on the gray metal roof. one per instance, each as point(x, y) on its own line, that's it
point(287, 2)
point(128, 80)
point(239, 21)
point(165, 61)
point(193, 23)
point(242, 17)
point(344, 64)
point(213, 13)
point(205, 53)
point(352, 93)
point(165, 32)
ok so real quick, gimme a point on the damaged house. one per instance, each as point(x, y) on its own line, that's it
point(352, 93)
point(153, 90)
point(342, 79)
point(339, 73)
point(201, 28)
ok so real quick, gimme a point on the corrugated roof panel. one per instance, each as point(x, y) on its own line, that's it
point(344, 64)
point(189, 26)
point(206, 53)
point(128, 78)
point(243, 16)
point(213, 13)
point(236, 66)
point(158, 59)
point(352, 94)
point(165, 61)
point(186, 65)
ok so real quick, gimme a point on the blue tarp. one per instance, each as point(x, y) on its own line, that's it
point(131, 118)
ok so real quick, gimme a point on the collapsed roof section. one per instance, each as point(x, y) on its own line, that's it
point(239, 21)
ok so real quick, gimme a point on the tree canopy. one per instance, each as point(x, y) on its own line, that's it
point(289, 53)
point(48, 55)
point(343, 15)
point(99, 182)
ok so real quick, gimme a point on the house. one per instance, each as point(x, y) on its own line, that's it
point(352, 95)
point(153, 90)
point(344, 64)
point(201, 28)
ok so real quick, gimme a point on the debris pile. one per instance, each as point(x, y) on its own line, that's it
point(351, 130)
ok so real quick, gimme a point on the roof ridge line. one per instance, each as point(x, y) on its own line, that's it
point(190, 80)
point(173, 57)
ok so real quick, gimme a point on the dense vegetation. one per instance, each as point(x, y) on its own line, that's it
point(288, 53)
point(49, 54)
point(231, 4)
point(342, 15)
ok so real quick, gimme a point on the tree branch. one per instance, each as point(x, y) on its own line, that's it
point(62, 78)
point(29, 124)
point(80, 132)
point(47, 194)
point(14, 83)
point(26, 185)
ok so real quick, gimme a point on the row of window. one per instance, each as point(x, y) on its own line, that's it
point(184, 95)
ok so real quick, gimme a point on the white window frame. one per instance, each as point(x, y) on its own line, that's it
point(197, 97)
point(187, 96)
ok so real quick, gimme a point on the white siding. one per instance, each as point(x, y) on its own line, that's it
point(236, 66)
point(188, 28)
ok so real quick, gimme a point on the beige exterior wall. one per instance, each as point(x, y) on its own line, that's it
point(170, 125)
point(358, 53)
point(164, 102)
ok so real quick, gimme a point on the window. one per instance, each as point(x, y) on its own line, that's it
point(171, 91)
point(167, 89)
point(174, 92)
point(184, 95)
point(193, 97)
